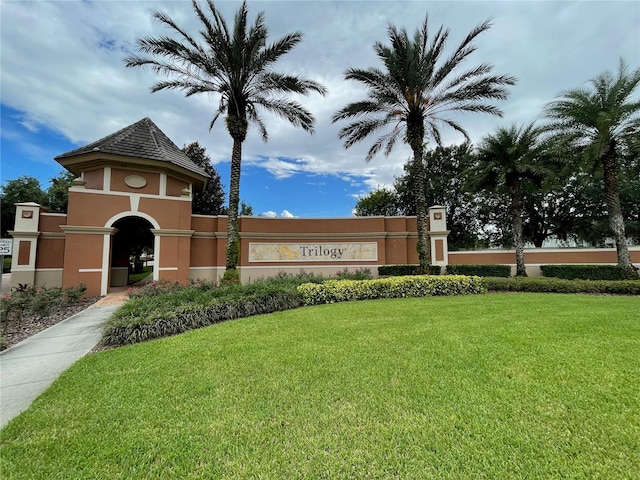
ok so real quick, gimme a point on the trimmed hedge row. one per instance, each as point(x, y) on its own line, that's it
point(558, 285)
point(188, 317)
point(585, 272)
point(403, 270)
point(480, 270)
point(394, 287)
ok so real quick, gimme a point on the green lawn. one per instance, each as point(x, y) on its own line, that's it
point(496, 386)
point(136, 277)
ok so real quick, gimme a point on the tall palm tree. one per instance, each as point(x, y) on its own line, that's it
point(411, 96)
point(508, 159)
point(604, 120)
point(238, 66)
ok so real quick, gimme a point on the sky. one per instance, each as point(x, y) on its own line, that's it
point(63, 83)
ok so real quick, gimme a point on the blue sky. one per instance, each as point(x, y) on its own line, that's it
point(28, 150)
point(67, 85)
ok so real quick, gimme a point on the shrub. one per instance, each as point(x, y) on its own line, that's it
point(6, 265)
point(395, 287)
point(585, 272)
point(155, 288)
point(231, 277)
point(480, 270)
point(28, 301)
point(558, 285)
point(403, 270)
point(357, 274)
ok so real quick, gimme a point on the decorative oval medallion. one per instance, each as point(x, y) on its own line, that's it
point(135, 181)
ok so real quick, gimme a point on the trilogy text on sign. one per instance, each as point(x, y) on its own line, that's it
point(310, 252)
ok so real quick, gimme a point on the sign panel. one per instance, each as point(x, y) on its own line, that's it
point(313, 252)
point(6, 246)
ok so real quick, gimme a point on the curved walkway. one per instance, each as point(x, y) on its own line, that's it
point(29, 367)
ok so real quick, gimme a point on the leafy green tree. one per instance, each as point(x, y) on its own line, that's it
point(211, 200)
point(246, 210)
point(444, 184)
point(508, 160)
point(22, 189)
point(238, 66)
point(380, 202)
point(603, 119)
point(409, 97)
point(58, 191)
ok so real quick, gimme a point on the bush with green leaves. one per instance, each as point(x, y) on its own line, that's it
point(489, 270)
point(357, 274)
point(402, 270)
point(154, 289)
point(559, 285)
point(393, 287)
point(36, 303)
point(585, 272)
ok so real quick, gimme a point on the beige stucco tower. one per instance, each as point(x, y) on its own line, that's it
point(137, 174)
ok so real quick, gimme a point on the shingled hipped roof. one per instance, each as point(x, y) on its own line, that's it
point(142, 139)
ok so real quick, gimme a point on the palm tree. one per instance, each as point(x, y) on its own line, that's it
point(410, 96)
point(508, 159)
point(238, 66)
point(603, 120)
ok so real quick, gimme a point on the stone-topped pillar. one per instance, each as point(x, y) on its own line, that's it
point(438, 235)
point(25, 243)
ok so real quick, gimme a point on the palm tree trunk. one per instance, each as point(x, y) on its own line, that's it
point(516, 223)
point(233, 237)
point(614, 209)
point(424, 250)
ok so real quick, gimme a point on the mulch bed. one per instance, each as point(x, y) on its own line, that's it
point(15, 332)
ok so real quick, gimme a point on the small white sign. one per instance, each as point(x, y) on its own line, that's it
point(6, 246)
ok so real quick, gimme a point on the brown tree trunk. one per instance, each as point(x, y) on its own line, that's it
point(233, 236)
point(614, 209)
point(415, 135)
point(516, 223)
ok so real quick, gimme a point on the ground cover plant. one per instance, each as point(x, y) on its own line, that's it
point(487, 386)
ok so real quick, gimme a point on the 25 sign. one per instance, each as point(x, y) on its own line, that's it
point(6, 245)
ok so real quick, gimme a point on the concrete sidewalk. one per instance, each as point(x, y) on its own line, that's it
point(29, 367)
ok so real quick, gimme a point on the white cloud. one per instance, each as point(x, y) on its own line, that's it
point(70, 77)
point(287, 214)
point(269, 214)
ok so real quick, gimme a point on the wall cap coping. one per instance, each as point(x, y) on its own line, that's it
point(172, 233)
point(52, 235)
point(86, 230)
point(18, 234)
point(214, 235)
point(315, 235)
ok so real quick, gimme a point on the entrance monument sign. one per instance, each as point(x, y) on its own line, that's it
point(313, 252)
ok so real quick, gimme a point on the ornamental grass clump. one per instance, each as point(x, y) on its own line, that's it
point(161, 309)
point(125, 326)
